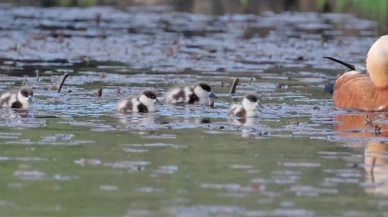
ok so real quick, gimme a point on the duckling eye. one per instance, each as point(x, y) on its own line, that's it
point(24, 94)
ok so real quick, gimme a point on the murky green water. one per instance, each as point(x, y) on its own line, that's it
point(72, 155)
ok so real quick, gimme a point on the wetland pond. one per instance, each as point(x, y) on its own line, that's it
point(72, 155)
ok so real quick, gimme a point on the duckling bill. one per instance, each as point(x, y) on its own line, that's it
point(145, 102)
point(18, 99)
point(200, 93)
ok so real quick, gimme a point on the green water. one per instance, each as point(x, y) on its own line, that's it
point(72, 155)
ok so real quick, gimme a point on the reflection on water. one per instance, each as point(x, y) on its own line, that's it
point(370, 132)
point(75, 156)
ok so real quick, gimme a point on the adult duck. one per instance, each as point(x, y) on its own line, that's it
point(364, 89)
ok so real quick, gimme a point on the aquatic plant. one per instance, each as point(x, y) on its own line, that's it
point(375, 9)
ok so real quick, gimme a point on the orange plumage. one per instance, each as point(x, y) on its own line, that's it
point(366, 91)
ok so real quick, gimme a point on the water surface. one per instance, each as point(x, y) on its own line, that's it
point(72, 155)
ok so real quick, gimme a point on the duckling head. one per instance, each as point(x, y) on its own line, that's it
point(377, 62)
point(251, 102)
point(204, 91)
point(25, 96)
point(148, 98)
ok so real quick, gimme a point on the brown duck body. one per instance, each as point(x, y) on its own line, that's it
point(357, 91)
point(366, 91)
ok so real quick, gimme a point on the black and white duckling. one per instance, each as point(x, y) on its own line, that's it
point(249, 107)
point(145, 102)
point(200, 93)
point(17, 98)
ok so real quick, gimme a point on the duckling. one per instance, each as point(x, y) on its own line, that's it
point(144, 103)
point(366, 91)
point(250, 107)
point(18, 99)
point(200, 93)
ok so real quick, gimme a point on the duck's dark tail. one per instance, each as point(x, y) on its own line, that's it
point(329, 87)
point(350, 66)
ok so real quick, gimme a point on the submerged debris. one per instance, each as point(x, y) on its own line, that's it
point(250, 81)
point(372, 169)
point(99, 92)
point(57, 86)
point(234, 86)
point(377, 130)
point(24, 80)
point(368, 121)
point(37, 74)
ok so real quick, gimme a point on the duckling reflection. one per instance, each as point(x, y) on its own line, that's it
point(9, 113)
point(244, 121)
point(137, 120)
point(375, 154)
point(189, 121)
point(250, 126)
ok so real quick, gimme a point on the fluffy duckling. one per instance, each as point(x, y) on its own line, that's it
point(368, 90)
point(250, 107)
point(200, 93)
point(18, 99)
point(144, 103)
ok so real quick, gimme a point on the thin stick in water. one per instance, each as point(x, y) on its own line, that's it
point(234, 85)
point(63, 81)
point(37, 74)
point(24, 81)
point(99, 92)
point(372, 169)
point(250, 81)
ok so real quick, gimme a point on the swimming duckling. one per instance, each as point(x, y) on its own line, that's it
point(366, 91)
point(250, 107)
point(144, 103)
point(200, 93)
point(18, 99)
